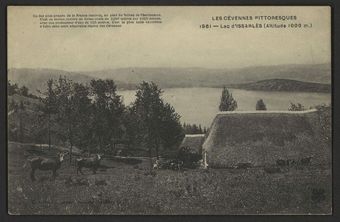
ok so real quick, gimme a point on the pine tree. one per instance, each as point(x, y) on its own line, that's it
point(13, 106)
point(227, 103)
point(12, 88)
point(66, 115)
point(205, 130)
point(23, 91)
point(49, 107)
point(108, 113)
point(21, 123)
point(82, 107)
point(158, 123)
point(147, 107)
point(200, 131)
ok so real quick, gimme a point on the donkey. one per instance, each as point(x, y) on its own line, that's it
point(46, 164)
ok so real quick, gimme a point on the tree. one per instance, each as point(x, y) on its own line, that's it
point(171, 131)
point(227, 103)
point(21, 123)
point(66, 115)
point(81, 102)
point(193, 129)
point(83, 116)
point(147, 108)
point(260, 105)
point(131, 127)
point(23, 91)
point(13, 106)
point(158, 123)
point(296, 107)
point(12, 89)
point(205, 130)
point(49, 107)
point(108, 111)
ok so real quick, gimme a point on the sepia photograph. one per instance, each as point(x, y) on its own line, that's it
point(169, 110)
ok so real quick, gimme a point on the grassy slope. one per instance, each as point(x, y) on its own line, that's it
point(129, 190)
point(29, 117)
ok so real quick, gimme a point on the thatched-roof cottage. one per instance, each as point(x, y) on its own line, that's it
point(263, 137)
point(193, 142)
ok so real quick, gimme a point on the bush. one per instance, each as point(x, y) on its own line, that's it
point(190, 159)
point(173, 164)
point(260, 105)
point(296, 107)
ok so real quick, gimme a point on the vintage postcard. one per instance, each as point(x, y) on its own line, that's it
point(169, 110)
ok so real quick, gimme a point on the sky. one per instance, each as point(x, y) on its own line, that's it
point(177, 42)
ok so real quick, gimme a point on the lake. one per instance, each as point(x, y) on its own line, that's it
point(200, 105)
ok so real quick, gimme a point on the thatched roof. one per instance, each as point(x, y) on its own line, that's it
point(262, 137)
point(194, 142)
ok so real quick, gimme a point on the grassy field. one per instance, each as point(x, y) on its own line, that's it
point(131, 189)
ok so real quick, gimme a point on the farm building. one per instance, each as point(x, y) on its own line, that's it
point(193, 142)
point(261, 138)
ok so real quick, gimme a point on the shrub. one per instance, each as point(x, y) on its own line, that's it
point(174, 164)
point(190, 159)
point(296, 107)
point(260, 105)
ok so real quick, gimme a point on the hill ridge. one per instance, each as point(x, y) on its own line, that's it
point(172, 77)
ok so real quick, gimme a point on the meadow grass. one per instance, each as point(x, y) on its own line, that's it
point(131, 189)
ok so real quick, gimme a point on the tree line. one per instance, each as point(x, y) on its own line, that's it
point(194, 129)
point(15, 89)
point(93, 117)
point(228, 103)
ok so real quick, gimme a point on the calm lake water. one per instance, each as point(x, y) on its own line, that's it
point(200, 105)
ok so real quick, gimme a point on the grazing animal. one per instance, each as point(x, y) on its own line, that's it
point(89, 162)
point(46, 164)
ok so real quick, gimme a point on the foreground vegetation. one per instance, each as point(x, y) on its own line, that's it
point(132, 189)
